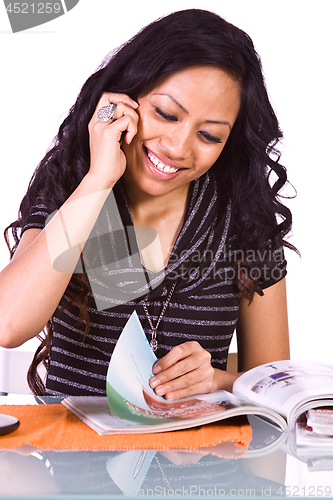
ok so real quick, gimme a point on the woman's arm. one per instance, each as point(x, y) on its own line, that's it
point(262, 328)
point(262, 336)
point(30, 286)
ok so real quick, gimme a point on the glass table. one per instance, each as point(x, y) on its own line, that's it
point(270, 468)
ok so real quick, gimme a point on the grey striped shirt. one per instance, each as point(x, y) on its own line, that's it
point(204, 306)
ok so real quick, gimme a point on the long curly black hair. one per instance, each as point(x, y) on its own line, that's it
point(180, 40)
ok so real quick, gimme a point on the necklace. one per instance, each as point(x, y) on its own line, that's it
point(153, 342)
point(162, 472)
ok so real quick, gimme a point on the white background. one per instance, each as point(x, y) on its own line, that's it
point(42, 70)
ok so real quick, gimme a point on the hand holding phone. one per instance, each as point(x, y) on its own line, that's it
point(107, 160)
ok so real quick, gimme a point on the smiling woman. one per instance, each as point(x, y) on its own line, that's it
point(161, 203)
point(184, 123)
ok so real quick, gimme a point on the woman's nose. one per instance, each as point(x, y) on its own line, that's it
point(178, 143)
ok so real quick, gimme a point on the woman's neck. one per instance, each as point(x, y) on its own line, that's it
point(145, 207)
point(165, 214)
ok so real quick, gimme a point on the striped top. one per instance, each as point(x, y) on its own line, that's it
point(204, 306)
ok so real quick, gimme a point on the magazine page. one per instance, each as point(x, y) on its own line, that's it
point(130, 370)
point(284, 385)
point(95, 412)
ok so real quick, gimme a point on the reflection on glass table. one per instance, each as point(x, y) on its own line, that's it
point(269, 468)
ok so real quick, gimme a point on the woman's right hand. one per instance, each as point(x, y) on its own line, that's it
point(107, 160)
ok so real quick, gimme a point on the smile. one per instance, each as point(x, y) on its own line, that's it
point(161, 166)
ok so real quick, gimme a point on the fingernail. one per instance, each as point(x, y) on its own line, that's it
point(156, 369)
point(160, 390)
point(154, 382)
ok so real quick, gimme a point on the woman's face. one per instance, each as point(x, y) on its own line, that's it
point(184, 123)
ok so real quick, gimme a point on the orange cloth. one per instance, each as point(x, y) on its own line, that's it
point(55, 427)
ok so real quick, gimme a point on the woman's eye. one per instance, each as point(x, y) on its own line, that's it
point(209, 137)
point(166, 116)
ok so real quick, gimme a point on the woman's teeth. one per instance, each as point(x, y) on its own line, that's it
point(160, 166)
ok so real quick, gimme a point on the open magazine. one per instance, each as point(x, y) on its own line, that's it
point(278, 392)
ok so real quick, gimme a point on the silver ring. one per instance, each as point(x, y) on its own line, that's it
point(106, 113)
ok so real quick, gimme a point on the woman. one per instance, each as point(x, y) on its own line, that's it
point(173, 137)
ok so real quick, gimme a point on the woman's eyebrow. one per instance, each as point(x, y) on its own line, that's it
point(174, 100)
point(219, 122)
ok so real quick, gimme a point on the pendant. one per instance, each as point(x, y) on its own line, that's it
point(153, 344)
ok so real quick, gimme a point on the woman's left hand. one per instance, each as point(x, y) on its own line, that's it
point(183, 372)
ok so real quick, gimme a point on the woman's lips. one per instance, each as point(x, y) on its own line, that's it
point(159, 166)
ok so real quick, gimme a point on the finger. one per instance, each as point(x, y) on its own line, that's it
point(177, 353)
point(120, 110)
point(202, 387)
point(124, 110)
point(113, 130)
point(184, 367)
point(130, 126)
point(110, 97)
point(188, 379)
